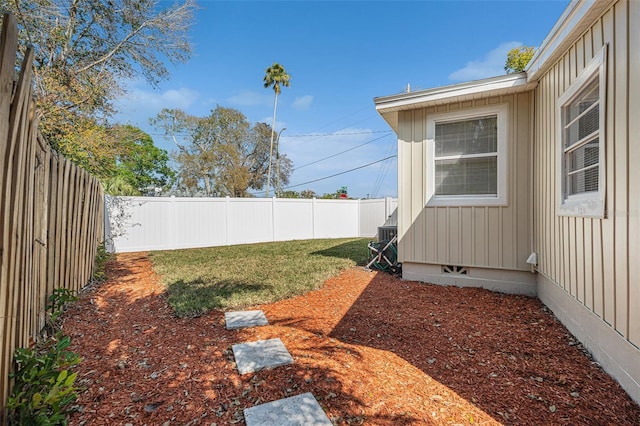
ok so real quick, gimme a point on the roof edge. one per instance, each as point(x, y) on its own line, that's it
point(409, 100)
point(577, 16)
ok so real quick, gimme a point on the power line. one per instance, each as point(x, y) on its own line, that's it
point(382, 173)
point(340, 153)
point(329, 177)
point(317, 135)
point(367, 108)
point(322, 135)
point(341, 173)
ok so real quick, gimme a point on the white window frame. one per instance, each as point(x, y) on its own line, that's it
point(502, 113)
point(588, 204)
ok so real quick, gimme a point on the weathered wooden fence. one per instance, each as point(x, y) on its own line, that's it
point(50, 213)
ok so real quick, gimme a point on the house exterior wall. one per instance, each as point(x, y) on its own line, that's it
point(489, 237)
point(590, 268)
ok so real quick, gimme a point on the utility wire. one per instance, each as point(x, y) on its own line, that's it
point(319, 135)
point(341, 173)
point(382, 174)
point(367, 108)
point(334, 175)
point(340, 153)
point(316, 135)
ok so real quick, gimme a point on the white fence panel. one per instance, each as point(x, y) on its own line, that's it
point(336, 218)
point(249, 220)
point(198, 222)
point(165, 223)
point(372, 210)
point(293, 219)
point(370, 213)
point(143, 227)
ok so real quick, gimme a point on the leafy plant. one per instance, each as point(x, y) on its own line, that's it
point(518, 58)
point(44, 386)
point(57, 301)
point(100, 263)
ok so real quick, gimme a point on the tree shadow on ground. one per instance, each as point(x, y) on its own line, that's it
point(355, 250)
point(196, 297)
point(142, 365)
point(505, 356)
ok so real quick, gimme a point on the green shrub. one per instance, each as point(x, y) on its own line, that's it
point(44, 386)
point(57, 301)
point(43, 389)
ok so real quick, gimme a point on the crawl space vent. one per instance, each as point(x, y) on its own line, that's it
point(454, 269)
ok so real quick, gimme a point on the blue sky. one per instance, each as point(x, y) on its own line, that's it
point(340, 55)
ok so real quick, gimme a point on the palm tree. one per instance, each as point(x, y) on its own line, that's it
point(275, 76)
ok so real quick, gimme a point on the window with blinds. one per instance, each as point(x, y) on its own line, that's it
point(581, 113)
point(466, 157)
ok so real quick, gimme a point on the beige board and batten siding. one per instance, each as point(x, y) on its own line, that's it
point(496, 237)
point(596, 261)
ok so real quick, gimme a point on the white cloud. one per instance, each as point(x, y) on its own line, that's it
point(249, 98)
point(174, 98)
point(140, 104)
point(302, 103)
point(490, 66)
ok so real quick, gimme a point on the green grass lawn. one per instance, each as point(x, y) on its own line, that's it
point(199, 280)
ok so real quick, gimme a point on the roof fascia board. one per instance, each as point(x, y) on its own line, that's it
point(407, 100)
point(571, 24)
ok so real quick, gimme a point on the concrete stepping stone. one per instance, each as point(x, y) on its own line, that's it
point(256, 356)
point(300, 410)
point(243, 319)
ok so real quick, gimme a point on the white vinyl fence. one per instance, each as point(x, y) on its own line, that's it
point(166, 223)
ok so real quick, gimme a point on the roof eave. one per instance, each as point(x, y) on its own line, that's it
point(389, 106)
point(574, 21)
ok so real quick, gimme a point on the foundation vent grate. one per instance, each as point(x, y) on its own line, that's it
point(454, 270)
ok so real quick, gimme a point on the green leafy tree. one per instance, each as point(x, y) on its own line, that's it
point(518, 58)
point(124, 158)
point(329, 196)
point(275, 77)
point(283, 173)
point(118, 185)
point(290, 194)
point(307, 193)
point(221, 154)
point(85, 51)
point(340, 193)
point(197, 151)
point(90, 145)
point(141, 164)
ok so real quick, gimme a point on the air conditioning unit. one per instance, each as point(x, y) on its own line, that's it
point(386, 233)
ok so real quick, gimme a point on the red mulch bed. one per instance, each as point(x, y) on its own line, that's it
point(372, 349)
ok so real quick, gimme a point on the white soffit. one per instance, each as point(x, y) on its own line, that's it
point(574, 21)
point(388, 106)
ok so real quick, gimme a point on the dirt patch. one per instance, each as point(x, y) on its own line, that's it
point(371, 348)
